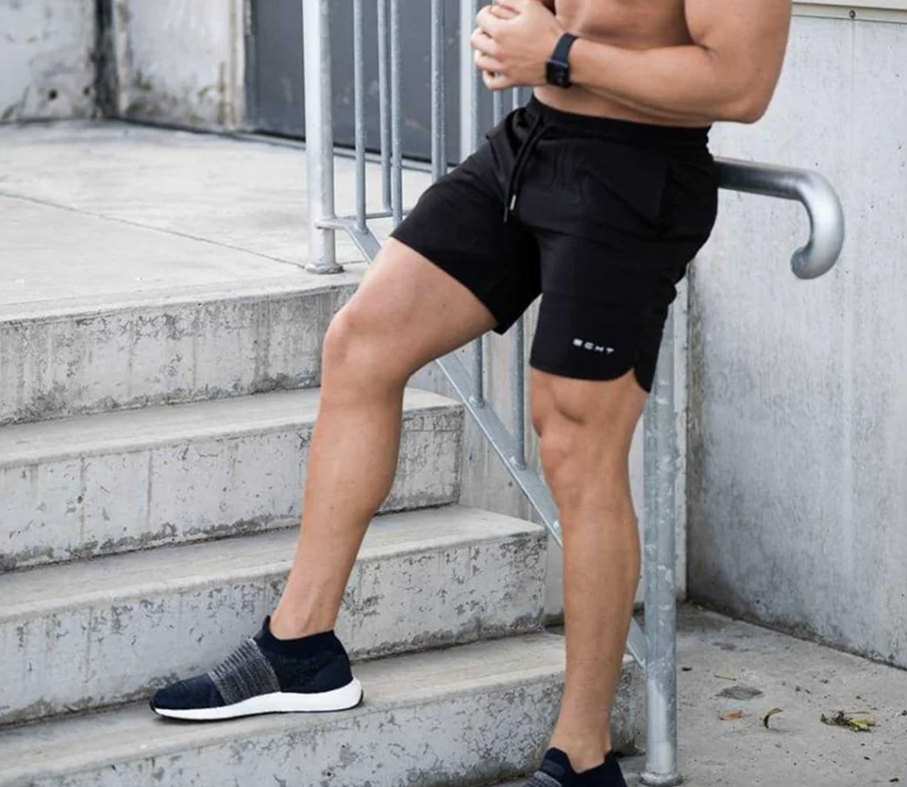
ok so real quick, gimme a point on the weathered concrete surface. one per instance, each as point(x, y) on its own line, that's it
point(73, 359)
point(181, 62)
point(89, 634)
point(469, 715)
point(805, 680)
point(92, 262)
point(237, 194)
point(798, 506)
point(46, 49)
point(171, 274)
point(94, 485)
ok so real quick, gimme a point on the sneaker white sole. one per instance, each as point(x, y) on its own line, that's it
point(279, 702)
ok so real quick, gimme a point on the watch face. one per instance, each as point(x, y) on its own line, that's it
point(558, 73)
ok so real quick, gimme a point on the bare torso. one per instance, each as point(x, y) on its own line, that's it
point(633, 24)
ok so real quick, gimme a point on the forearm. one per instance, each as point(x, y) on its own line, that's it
point(680, 83)
point(727, 72)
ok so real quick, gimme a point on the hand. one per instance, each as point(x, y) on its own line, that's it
point(513, 42)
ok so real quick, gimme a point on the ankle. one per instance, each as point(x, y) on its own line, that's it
point(286, 626)
point(584, 754)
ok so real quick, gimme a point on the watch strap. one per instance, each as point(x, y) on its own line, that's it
point(562, 48)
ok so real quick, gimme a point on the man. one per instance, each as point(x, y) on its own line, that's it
point(596, 195)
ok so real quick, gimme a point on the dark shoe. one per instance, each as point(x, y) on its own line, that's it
point(556, 771)
point(267, 675)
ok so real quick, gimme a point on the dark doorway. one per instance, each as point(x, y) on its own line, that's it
point(276, 85)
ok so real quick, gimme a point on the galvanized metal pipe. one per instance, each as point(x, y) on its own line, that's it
point(438, 96)
point(359, 112)
point(475, 86)
point(810, 189)
point(384, 105)
point(319, 134)
point(660, 462)
point(466, 25)
point(518, 390)
point(396, 113)
point(497, 104)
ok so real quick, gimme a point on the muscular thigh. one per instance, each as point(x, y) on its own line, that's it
point(588, 422)
point(410, 311)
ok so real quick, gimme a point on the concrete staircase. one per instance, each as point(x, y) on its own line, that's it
point(152, 454)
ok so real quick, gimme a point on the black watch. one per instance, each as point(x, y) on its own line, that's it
point(557, 70)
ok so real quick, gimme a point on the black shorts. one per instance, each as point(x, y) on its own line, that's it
point(600, 216)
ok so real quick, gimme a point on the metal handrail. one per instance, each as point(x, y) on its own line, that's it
point(654, 649)
point(812, 190)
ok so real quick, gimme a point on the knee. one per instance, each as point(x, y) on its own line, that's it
point(585, 476)
point(352, 353)
point(563, 466)
point(585, 461)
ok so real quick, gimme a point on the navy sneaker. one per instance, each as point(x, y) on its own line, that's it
point(556, 771)
point(267, 675)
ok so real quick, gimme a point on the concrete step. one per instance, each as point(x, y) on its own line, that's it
point(114, 482)
point(95, 354)
point(93, 633)
point(470, 715)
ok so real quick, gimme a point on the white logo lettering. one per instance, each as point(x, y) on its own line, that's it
point(598, 348)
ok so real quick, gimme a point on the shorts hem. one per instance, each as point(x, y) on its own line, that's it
point(602, 378)
point(483, 294)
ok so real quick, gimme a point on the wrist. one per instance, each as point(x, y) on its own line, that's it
point(576, 61)
point(557, 68)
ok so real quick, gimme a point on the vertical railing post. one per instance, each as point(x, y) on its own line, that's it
point(660, 559)
point(466, 75)
point(384, 101)
point(359, 113)
point(319, 134)
point(475, 91)
point(396, 53)
point(438, 91)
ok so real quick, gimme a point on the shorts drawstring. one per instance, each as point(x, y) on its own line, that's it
point(536, 132)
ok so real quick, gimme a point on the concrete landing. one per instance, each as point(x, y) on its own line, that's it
point(718, 655)
point(90, 208)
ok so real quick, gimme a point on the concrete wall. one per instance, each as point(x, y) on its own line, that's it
point(798, 410)
point(181, 62)
point(46, 67)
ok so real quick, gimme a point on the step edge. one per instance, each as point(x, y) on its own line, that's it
point(95, 306)
point(275, 724)
point(267, 426)
point(9, 615)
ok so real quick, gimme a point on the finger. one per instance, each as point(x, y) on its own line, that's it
point(486, 63)
point(500, 81)
point(488, 22)
point(483, 43)
point(514, 6)
point(500, 12)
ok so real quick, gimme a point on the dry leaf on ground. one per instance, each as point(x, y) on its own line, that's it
point(768, 715)
point(847, 720)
